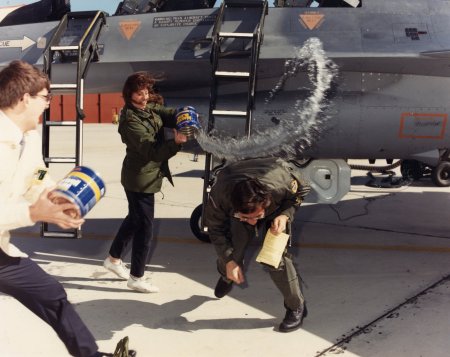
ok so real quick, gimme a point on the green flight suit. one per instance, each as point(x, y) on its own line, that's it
point(147, 150)
point(231, 237)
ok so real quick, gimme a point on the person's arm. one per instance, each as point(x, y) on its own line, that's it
point(292, 194)
point(44, 210)
point(217, 218)
point(167, 115)
point(22, 209)
point(145, 142)
point(20, 213)
point(168, 118)
point(279, 224)
point(218, 222)
point(14, 214)
point(235, 272)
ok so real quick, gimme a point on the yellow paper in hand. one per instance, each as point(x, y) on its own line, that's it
point(272, 249)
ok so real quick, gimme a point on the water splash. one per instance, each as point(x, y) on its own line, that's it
point(292, 135)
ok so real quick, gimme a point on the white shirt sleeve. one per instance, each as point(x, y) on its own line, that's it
point(21, 181)
point(15, 215)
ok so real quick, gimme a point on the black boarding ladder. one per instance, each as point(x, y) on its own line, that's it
point(73, 42)
point(233, 64)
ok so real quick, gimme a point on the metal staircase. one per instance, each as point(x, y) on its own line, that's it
point(73, 42)
point(236, 43)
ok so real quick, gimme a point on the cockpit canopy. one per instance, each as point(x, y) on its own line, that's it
point(53, 10)
point(129, 7)
point(41, 11)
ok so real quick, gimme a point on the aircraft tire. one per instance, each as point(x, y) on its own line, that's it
point(195, 223)
point(411, 169)
point(441, 174)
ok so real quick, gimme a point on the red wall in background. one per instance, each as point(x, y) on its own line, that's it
point(111, 103)
point(98, 108)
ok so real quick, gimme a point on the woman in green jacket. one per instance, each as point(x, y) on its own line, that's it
point(141, 127)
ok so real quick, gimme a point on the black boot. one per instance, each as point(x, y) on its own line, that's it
point(293, 319)
point(223, 287)
point(121, 350)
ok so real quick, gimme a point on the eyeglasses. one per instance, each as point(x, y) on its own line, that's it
point(246, 218)
point(47, 97)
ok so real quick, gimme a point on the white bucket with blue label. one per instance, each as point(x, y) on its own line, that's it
point(82, 186)
point(187, 121)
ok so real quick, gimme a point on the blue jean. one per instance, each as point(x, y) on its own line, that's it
point(25, 281)
point(138, 228)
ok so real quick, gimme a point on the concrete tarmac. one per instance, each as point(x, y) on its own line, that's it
point(376, 268)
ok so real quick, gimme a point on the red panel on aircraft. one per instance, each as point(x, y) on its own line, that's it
point(110, 105)
point(98, 108)
point(92, 108)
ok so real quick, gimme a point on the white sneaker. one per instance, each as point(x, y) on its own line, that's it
point(117, 268)
point(139, 284)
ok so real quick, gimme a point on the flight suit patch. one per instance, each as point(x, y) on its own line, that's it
point(39, 175)
point(294, 186)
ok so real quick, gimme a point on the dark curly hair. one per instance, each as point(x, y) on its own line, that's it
point(248, 195)
point(138, 81)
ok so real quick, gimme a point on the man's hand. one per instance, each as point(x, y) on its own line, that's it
point(179, 138)
point(44, 210)
point(234, 272)
point(279, 224)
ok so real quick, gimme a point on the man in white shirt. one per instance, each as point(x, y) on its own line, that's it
point(24, 189)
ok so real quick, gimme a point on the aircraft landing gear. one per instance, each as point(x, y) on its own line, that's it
point(415, 170)
point(441, 174)
point(412, 170)
point(196, 225)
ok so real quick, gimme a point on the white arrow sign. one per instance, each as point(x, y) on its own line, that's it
point(23, 44)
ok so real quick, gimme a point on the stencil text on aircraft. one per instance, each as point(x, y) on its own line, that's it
point(423, 125)
point(188, 20)
point(23, 44)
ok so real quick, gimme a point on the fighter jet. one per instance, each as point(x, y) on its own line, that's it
point(389, 98)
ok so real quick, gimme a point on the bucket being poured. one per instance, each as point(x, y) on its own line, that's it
point(82, 186)
point(187, 121)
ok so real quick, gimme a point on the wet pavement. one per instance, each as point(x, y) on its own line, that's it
point(376, 268)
